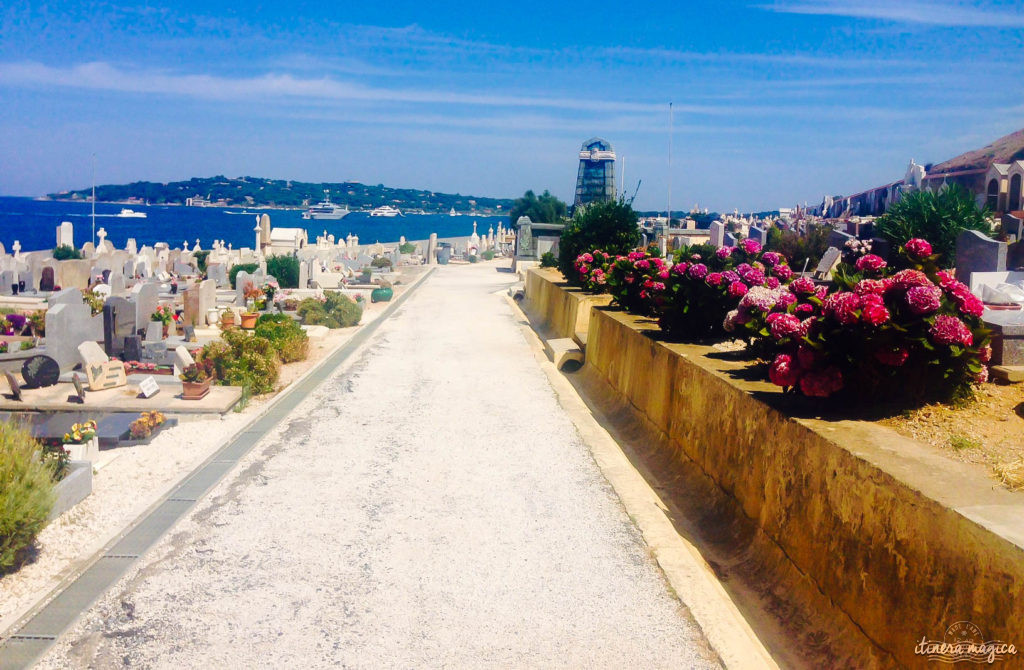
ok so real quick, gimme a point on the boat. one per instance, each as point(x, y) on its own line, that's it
point(385, 210)
point(326, 209)
point(247, 212)
point(130, 214)
point(452, 212)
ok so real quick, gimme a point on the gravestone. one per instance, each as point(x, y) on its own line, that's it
point(207, 299)
point(91, 353)
point(303, 274)
point(190, 333)
point(729, 240)
point(838, 239)
point(828, 262)
point(241, 280)
point(717, 234)
point(154, 331)
point(121, 315)
point(432, 249)
point(218, 272)
point(978, 253)
point(146, 296)
point(1007, 328)
point(117, 284)
point(13, 384)
point(66, 234)
point(132, 348)
point(88, 250)
point(182, 359)
point(67, 326)
point(8, 282)
point(759, 235)
point(46, 282)
point(192, 315)
point(40, 371)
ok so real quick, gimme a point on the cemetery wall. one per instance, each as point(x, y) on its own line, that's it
point(562, 309)
point(901, 539)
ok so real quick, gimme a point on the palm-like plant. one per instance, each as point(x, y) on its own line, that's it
point(937, 217)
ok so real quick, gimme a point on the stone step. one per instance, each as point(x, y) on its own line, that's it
point(1011, 374)
point(564, 351)
point(580, 338)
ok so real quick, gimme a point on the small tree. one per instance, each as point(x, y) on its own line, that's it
point(801, 250)
point(937, 217)
point(545, 209)
point(609, 226)
point(285, 269)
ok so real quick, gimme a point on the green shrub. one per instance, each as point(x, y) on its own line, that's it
point(381, 262)
point(336, 310)
point(609, 226)
point(235, 269)
point(937, 217)
point(487, 255)
point(26, 493)
point(66, 253)
point(472, 258)
point(244, 360)
point(287, 336)
point(548, 260)
point(285, 269)
point(801, 250)
point(407, 248)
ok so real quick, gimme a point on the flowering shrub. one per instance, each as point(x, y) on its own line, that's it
point(915, 334)
point(592, 270)
point(637, 281)
point(3, 347)
point(705, 283)
point(164, 314)
point(144, 426)
point(80, 433)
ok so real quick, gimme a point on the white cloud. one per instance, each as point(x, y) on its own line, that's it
point(905, 11)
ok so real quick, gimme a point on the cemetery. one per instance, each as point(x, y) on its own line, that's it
point(882, 475)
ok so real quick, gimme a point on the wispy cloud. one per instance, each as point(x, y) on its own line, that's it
point(905, 11)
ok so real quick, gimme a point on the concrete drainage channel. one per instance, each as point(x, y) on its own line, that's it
point(63, 606)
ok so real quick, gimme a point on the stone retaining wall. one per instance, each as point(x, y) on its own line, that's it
point(562, 310)
point(903, 540)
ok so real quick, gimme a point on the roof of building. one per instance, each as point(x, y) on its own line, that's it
point(285, 234)
point(1004, 150)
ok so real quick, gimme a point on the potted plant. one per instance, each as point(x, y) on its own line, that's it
point(164, 315)
point(382, 293)
point(81, 441)
point(253, 296)
point(227, 319)
point(196, 379)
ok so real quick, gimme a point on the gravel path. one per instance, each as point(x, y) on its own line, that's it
point(431, 505)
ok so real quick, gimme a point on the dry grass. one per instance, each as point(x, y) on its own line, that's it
point(988, 430)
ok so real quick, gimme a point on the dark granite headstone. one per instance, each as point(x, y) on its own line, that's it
point(978, 253)
point(132, 349)
point(15, 387)
point(46, 282)
point(40, 371)
point(106, 276)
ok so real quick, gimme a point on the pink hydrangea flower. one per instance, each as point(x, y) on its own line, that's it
point(821, 383)
point(949, 330)
point(804, 308)
point(636, 255)
point(946, 280)
point(663, 275)
point(893, 357)
point(924, 299)
point(783, 372)
point(866, 286)
point(983, 375)
point(698, 271)
point(713, 278)
point(744, 268)
point(753, 277)
point(843, 307)
point(783, 325)
point(738, 289)
point(730, 276)
point(771, 258)
point(985, 354)
point(870, 263)
point(918, 248)
point(757, 265)
point(783, 272)
point(909, 278)
point(873, 311)
point(642, 264)
point(751, 246)
point(758, 298)
point(784, 299)
point(680, 268)
point(969, 304)
point(772, 282)
point(723, 252)
point(802, 286)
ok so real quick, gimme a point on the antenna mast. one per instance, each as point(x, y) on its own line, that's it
point(669, 165)
point(94, 199)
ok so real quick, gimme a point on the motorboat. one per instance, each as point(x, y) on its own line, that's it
point(326, 210)
point(385, 210)
point(130, 214)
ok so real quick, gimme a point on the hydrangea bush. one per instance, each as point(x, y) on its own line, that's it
point(592, 270)
point(706, 283)
point(637, 281)
point(915, 335)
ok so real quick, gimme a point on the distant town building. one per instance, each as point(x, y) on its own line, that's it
point(595, 181)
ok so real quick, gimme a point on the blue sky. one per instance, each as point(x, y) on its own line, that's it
point(776, 101)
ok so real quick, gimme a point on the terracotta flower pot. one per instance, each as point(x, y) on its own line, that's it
point(227, 322)
point(249, 321)
point(195, 390)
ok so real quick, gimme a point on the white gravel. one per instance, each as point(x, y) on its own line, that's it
point(429, 506)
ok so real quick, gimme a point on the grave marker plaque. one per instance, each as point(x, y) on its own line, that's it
point(106, 376)
point(79, 395)
point(40, 371)
point(132, 348)
point(15, 388)
point(148, 387)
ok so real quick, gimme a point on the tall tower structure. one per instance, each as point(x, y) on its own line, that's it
point(595, 181)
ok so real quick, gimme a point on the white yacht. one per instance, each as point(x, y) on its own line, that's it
point(452, 212)
point(130, 214)
point(326, 210)
point(385, 210)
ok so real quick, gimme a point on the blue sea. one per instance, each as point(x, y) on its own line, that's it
point(34, 224)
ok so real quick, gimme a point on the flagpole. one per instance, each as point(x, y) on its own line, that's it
point(670, 165)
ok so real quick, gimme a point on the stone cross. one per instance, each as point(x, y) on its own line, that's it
point(16, 248)
point(102, 234)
